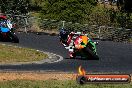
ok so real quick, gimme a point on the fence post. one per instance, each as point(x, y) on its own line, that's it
point(63, 23)
point(26, 23)
point(100, 30)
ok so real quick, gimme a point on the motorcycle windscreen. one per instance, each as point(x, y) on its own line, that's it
point(4, 29)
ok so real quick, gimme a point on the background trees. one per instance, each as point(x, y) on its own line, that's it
point(68, 10)
point(76, 11)
point(125, 5)
point(14, 6)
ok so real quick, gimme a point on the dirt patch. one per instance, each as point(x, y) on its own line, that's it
point(36, 76)
point(6, 76)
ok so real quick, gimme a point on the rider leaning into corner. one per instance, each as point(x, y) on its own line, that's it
point(68, 39)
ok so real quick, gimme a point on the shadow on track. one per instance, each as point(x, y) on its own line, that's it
point(82, 58)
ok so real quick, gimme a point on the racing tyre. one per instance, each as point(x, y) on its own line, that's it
point(90, 54)
point(14, 38)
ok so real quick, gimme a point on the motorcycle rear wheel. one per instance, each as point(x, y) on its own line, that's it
point(14, 38)
point(90, 54)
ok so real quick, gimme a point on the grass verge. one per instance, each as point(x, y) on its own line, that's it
point(9, 54)
point(48, 80)
point(56, 84)
point(130, 40)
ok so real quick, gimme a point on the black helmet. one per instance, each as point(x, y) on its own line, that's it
point(62, 31)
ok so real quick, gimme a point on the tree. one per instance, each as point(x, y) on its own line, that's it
point(68, 10)
point(125, 5)
point(14, 6)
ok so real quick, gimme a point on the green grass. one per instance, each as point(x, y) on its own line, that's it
point(131, 40)
point(56, 84)
point(9, 54)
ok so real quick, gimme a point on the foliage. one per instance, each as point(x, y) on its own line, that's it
point(14, 6)
point(68, 10)
point(125, 5)
point(99, 16)
point(75, 11)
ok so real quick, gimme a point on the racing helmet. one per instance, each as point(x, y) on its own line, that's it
point(2, 20)
point(3, 17)
point(62, 30)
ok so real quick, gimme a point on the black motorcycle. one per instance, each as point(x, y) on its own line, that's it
point(7, 34)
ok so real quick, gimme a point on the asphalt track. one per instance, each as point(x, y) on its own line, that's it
point(114, 57)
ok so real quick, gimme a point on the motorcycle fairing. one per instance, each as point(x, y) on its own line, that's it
point(81, 42)
point(93, 46)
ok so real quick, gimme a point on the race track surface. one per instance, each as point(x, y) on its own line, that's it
point(114, 57)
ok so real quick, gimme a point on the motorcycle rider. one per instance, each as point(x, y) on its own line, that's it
point(68, 43)
point(63, 36)
point(3, 20)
